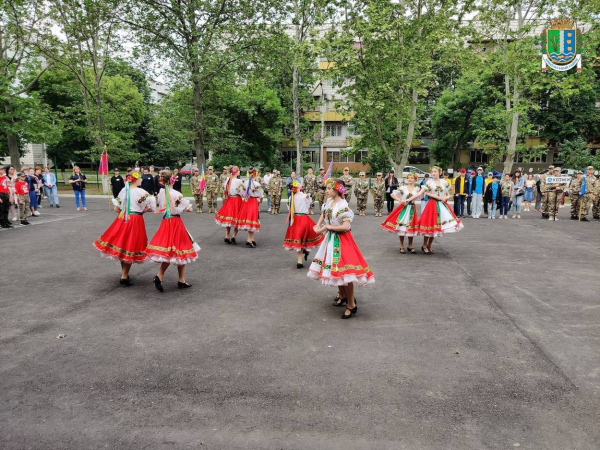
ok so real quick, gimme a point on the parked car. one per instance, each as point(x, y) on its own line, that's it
point(413, 169)
point(188, 170)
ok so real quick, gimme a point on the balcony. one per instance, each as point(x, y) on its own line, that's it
point(330, 116)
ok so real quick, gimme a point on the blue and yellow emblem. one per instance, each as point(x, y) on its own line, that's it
point(561, 46)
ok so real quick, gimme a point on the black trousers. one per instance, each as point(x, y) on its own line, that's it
point(390, 202)
point(4, 207)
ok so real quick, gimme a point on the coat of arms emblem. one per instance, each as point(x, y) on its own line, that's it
point(561, 46)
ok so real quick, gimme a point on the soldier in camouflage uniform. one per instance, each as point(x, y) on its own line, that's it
point(195, 186)
point(275, 189)
point(545, 191)
point(212, 189)
point(553, 192)
point(320, 195)
point(592, 189)
point(574, 190)
point(348, 181)
point(379, 194)
point(310, 188)
point(361, 190)
point(222, 179)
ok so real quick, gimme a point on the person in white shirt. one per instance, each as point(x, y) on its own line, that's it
point(266, 180)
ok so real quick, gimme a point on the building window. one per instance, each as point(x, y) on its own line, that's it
point(422, 157)
point(543, 158)
point(333, 155)
point(479, 156)
point(556, 158)
point(333, 130)
point(329, 82)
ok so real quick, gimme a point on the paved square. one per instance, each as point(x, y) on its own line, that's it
point(255, 357)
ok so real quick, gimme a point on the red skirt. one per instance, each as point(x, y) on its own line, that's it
point(301, 236)
point(125, 241)
point(438, 219)
point(340, 266)
point(229, 214)
point(172, 243)
point(248, 215)
point(402, 221)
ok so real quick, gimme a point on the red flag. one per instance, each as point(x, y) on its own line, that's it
point(103, 167)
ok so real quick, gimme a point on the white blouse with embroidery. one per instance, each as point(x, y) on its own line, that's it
point(440, 189)
point(139, 200)
point(177, 203)
point(337, 214)
point(255, 191)
point(301, 203)
point(404, 192)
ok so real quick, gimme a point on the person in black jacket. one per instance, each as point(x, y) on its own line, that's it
point(177, 184)
point(492, 203)
point(147, 181)
point(391, 184)
point(117, 183)
point(461, 192)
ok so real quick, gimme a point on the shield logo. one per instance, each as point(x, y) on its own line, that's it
point(561, 46)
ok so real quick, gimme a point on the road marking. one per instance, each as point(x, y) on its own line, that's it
point(40, 222)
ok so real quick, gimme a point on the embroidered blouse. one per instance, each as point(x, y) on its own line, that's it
point(337, 214)
point(177, 202)
point(139, 200)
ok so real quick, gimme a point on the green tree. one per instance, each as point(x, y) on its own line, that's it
point(22, 116)
point(577, 154)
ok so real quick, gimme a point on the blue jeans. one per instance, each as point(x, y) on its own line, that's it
point(33, 200)
point(469, 205)
point(504, 206)
point(517, 203)
point(492, 209)
point(82, 195)
point(268, 199)
point(52, 194)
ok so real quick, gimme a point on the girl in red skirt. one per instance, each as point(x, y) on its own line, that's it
point(338, 261)
point(438, 218)
point(300, 235)
point(403, 221)
point(172, 244)
point(229, 214)
point(248, 216)
point(125, 240)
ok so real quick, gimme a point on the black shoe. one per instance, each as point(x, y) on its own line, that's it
point(24, 222)
point(574, 218)
point(183, 285)
point(340, 302)
point(58, 206)
point(51, 206)
point(158, 284)
point(583, 219)
point(299, 266)
point(227, 241)
point(125, 282)
point(233, 241)
point(248, 244)
point(353, 311)
point(305, 255)
point(253, 244)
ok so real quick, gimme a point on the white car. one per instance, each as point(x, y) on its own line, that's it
point(413, 169)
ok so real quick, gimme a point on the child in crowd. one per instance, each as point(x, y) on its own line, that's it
point(492, 197)
point(22, 191)
point(507, 187)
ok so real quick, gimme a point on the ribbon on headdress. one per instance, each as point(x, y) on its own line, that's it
point(167, 203)
point(124, 214)
point(249, 188)
point(292, 210)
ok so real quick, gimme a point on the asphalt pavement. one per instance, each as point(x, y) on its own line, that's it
point(492, 343)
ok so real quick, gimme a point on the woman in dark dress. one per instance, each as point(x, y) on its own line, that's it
point(391, 184)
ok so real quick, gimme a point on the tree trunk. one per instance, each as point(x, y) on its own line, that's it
point(511, 150)
point(296, 105)
point(13, 150)
point(411, 130)
point(198, 122)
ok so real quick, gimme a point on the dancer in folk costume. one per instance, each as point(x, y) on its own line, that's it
point(403, 221)
point(252, 195)
point(438, 218)
point(229, 214)
point(125, 240)
point(172, 243)
point(338, 261)
point(300, 235)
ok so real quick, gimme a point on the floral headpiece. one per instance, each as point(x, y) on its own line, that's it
point(235, 170)
point(173, 180)
point(296, 186)
point(438, 168)
point(414, 176)
point(133, 176)
point(337, 186)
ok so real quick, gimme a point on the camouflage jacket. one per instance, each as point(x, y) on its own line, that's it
point(347, 179)
point(379, 189)
point(361, 188)
point(195, 184)
point(310, 184)
point(320, 183)
point(275, 185)
point(212, 183)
